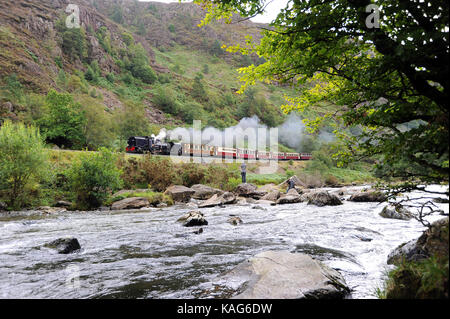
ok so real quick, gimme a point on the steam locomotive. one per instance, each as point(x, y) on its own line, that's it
point(145, 144)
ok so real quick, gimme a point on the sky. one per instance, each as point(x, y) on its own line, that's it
point(271, 11)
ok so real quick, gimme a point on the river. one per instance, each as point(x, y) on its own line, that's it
point(147, 254)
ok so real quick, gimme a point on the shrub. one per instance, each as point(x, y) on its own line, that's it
point(22, 160)
point(145, 73)
point(93, 177)
point(165, 99)
point(219, 176)
point(149, 171)
point(192, 174)
point(425, 279)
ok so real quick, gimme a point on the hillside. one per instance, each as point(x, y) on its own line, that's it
point(140, 62)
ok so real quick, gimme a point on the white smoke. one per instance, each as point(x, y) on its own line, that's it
point(249, 132)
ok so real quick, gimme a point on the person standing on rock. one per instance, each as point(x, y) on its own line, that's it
point(291, 184)
point(244, 172)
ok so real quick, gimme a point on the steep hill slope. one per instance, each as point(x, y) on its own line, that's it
point(136, 65)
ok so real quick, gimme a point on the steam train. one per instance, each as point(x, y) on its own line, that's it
point(145, 144)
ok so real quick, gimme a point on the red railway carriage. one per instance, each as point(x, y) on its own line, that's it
point(226, 152)
point(305, 156)
point(278, 155)
point(208, 150)
point(246, 154)
point(192, 149)
point(262, 155)
point(292, 156)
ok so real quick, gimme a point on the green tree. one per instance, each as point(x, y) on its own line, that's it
point(131, 120)
point(64, 122)
point(93, 177)
point(73, 41)
point(23, 159)
point(166, 100)
point(380, 77)
point(198, 89)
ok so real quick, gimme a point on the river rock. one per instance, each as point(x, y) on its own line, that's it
point(180, 193)
point(323, 198)
point(235, 221)
point(433, 241)
point(204, 192)
point(64, 245)
point(241, 201)
point(368, 196)
point(131, 203)
point(193, 218)
point(249, 190)
point(51, 210)
point(272, 196)
point(396, 212)
point(291, 197)
point(265, 202)
point(285, 275)
point(63, 203)
point(440, 200)
point(215, 200)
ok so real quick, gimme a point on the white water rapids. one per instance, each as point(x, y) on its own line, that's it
point(147, 254)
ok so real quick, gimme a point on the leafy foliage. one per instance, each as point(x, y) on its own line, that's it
point(381, 77)
point(22, 160)
point(64, 123)
point(93, 177)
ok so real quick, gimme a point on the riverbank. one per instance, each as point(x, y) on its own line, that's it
point(157, 173)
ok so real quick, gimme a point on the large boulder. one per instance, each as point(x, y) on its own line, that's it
point(215, 200)
point(272, 196)
point(433, 241)
point(368, 196)
point(291, 197)
point(249, 190)
point(180, 193)
point(323, 198)
point(193, 218)
point(285, 275)
point(396, 212)
point(204, 192)
point(131, 203)
point(64, 245)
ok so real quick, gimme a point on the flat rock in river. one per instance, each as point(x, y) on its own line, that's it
point(285, 275)
point(204, 192)
point(130, 203)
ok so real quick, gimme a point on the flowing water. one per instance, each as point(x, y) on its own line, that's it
point(147, 254)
